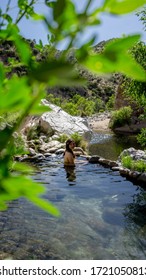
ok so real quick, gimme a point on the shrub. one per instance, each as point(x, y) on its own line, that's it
point(141, 138)
point(99, 105)
point(127, 162)
point(131, 87)
point(9, 118)
point(110, 103)
point(77, 138)
point(78, 105)
point(121, 117)
point(33, 132)
point(137, 165)
point(80, 142)
point(62, 138)
point(70, 108)
point(19, 145)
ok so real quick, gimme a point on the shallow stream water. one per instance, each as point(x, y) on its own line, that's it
point(103, 216)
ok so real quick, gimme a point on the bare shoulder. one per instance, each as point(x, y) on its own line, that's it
point(68, 158)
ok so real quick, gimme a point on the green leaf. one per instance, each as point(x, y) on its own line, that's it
point(22, 4)
point(36, 16)
point(58, 8)
point(39, 109)
point(16, 187)
point(2, 74)
point(49, 3)
point(7, 17)
point(22, 168)
point(56, 72)
point(5, 135)
point(122, 6)
point(45, 205)
point(122, 44)
point(23, 50)
point(16, 95)
point(116, 58)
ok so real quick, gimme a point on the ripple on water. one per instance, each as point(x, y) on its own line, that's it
point(97, 217)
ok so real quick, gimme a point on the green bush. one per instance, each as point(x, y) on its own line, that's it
point(62, 138)
point(139, 165)
point(121, 117)
point(77, 138)
point(55, 100)
point(141, 138)
point(127, 162)
point(78, 105)
point(33, 132)
point(19, 145)
point(110, 103)
point(70, 108)
point(99, 105)
point(9, 119)
point(131, 87)
point(135, 165)
point(80, 142)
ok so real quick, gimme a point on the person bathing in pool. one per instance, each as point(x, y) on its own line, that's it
point(69, 156)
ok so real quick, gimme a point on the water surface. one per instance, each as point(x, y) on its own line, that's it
point(103, 216)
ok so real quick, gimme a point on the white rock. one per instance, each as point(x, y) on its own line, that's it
point(58, 121)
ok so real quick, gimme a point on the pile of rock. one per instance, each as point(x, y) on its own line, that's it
point(41, 134)
point(139, 177)
point(56, 122)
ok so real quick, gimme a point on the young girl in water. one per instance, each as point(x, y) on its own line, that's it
point(69, 157)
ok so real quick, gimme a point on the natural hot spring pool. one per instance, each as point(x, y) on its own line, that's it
point(103, 217)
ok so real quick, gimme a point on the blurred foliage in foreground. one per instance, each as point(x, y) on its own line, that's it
point(23, 94)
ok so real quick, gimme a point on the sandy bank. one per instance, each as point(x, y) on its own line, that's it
point(99, 122)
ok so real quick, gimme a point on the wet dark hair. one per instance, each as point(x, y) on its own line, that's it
point(67, 146)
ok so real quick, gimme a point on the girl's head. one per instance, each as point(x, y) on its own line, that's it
point(70, 144)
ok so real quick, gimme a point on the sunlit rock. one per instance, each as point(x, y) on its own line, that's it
point(58, 121)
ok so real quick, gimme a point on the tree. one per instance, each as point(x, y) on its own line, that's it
point(142, 15)
point(24, 93)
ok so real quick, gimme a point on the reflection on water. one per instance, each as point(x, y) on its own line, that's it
point(70, 173)
point(110, 146)
point(102, 217)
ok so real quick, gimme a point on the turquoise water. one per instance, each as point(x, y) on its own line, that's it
point(103, 216)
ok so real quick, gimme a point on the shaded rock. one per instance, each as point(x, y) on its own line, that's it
point(31, 151)
point(112, 163)
point(94, 159)
point(124, 171)
point(59, 151)
point(133, 128)
point(134, 174)
point(104, 161)
point(116, 168)
point(47, 154)
point(142, 178)
point(79, 151)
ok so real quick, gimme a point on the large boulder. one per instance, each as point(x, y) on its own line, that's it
point(60, 122)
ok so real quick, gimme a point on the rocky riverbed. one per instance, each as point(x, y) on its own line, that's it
point(56, 122)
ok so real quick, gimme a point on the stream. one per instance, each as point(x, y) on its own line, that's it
point(103, 215)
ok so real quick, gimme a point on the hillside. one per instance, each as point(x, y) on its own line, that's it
point(96, 87)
